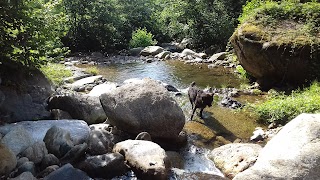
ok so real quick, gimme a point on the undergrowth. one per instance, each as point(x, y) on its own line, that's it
point(282, 108)
point(55, 72)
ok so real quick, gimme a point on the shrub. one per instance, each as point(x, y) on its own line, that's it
point(283, 108)
point(141, 38)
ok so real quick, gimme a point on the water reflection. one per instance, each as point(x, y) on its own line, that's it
point(175, 73)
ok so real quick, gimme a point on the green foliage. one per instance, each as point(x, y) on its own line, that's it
point(56, 72)
point(282, 108)
point(141, 38)
point(242, 72)
point(92, 70)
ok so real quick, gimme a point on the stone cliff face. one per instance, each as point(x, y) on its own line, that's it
point(272, 63)
point(23, 93)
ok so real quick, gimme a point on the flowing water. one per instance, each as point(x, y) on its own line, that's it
point(219, 126)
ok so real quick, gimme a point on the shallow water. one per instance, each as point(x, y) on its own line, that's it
point(219, 126)
point(175, 73)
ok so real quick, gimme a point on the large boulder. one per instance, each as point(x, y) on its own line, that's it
point(234, 158)
point(17, 140)
point(8, 160)
point(81, 82)
point(271, 63)
point(294, 153)
point(23, 93)
point(151, 50)
point(144, 107)
point(79, 106)
point(79, 130)
point(58, 141)
point(36, 152)
point(147, 159)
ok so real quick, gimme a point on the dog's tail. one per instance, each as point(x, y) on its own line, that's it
point(193, 84)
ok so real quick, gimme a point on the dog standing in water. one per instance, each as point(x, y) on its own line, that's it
point(199, 99)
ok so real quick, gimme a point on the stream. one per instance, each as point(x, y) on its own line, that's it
point(219, 126)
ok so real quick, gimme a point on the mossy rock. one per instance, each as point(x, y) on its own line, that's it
point(275, 59)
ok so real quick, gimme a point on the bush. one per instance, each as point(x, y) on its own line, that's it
point(283, 108)
point(142, 38)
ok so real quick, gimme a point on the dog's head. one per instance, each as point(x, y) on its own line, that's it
point(207, 98)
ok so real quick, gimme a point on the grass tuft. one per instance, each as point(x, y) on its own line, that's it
point(55, 73)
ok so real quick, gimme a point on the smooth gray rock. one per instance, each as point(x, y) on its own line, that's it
point(26, 167)
point(58, 141)
point(79, 106)
point(79, 130)
point(147, 159)
point(100, 142)
point(17, 140)
point(294, 153)
point(84, 81)
point(21, 161)
point(234, 158)
point(151, 50)
point(49, 160)
point(8, 160)
point(47, 171)
point(104, 166)
point(144, 107)
point(74, 154)
point(103, 88)
point(36, 152)
point(25, 176)
point(67, 172)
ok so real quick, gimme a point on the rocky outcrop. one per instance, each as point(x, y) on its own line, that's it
point(151, 50)
point(147, 159)
point(87, 108)
point(79, 130)
point(23, 93)
point(67, 172)
point(270, 62)
point(294, 153)
point(232, 159)
point(144, 107)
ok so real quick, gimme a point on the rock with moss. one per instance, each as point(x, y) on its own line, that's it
point(277, 46)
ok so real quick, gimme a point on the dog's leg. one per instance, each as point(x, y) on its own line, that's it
point(193, 111)
point(201, 113)
point(191, 103)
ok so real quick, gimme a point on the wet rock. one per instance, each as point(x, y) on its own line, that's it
point(49, 160)
point(104, 166)
point(181, 174)
point(147, 159)
point(36, 152)
point(101, 140)
point(47, 171)
point(218, 56)
point(26, 167)
point(67, 172)
point(103, 88)
point(294, 153)
point(78, 129)
point(8, 160)
point(234, 158)
point(25, 176)
point(147, 106)
point(84, 81)
point(258, 134)
point(58, 141)
point(230, 103)
point(143, 136)
point(176, 159)
point(163, 54)
point(151, 50)
point(17, 140)
point(77, 152)
point(135, 51)
point(79, 106)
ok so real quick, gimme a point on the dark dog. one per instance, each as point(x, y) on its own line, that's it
point(199, 99)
